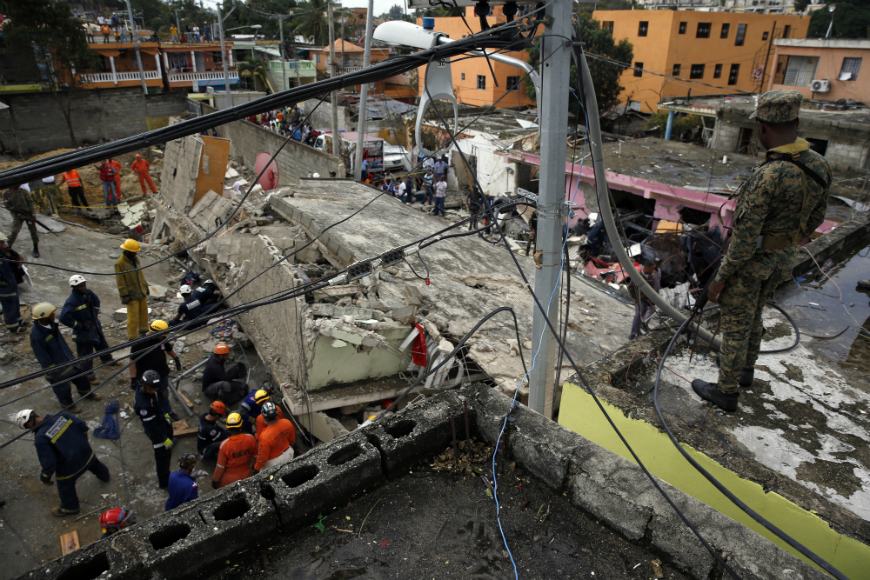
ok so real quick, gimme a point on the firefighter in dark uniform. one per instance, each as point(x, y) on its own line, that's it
point(53, 353)
point(210, 433)
point(64, 453)
point(11, 274)
point(81, 312)
point(157, 424)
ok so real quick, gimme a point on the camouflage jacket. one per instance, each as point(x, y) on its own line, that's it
point(772, 204)
point(20, 199)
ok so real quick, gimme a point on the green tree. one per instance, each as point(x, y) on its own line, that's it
point(851, 20)
point(312, 21)
point(396, 13)
point(48, 31)
point(254, 68)
point(605, 76)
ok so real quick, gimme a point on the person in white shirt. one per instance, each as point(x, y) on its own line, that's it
point(400, 191)
point(196, 33)
point(440, 196)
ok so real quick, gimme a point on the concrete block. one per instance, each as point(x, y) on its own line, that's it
point(325, 477)
point(92, 561)
point(542, 446)
point(417, 433)
point(405, 314)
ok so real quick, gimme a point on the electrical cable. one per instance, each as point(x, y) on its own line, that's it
point(719, 486)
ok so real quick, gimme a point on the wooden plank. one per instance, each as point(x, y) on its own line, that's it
point(181, 429)
point(69, 543)
point(186, 400)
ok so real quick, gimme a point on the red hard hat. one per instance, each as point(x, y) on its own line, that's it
point(117, 519)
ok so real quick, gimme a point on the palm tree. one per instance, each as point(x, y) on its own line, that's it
point(313, 22)
point(254, 67)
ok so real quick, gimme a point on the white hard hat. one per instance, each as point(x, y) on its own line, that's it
point(185, 289)
point(23, 417)
point(209, 281)
point(3, 237)
point(316, 175)
point(43, 310)
point(76, 279)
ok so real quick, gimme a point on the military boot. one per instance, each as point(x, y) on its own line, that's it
point(710, 392)
point(35, 250)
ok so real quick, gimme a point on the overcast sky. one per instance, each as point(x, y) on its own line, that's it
point(381, 6)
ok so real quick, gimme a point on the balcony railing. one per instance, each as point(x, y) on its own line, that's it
point(200, 76)
point(121, 76)
point(348, 69)
point(292, 64)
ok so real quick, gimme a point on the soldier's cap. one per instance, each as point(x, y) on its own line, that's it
point(778, 106)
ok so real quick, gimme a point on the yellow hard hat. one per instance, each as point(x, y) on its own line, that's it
point(234, 421)
point(159, 325)
point(43, 310)
point(3, 237)
point(261, 396)
point(130, 245)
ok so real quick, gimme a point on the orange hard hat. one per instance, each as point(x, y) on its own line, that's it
point(221, 348)
point(138, 156)
point(218, 408)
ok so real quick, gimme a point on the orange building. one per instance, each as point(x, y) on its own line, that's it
point(472, 80)
point(824, 70)
point(349, 58)
point(120, 69)
point(725, 49)
point(196, 66)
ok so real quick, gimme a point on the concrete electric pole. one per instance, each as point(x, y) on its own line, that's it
point(364, 95)
point(553, 99)
point(136, 45)
point(336, 138)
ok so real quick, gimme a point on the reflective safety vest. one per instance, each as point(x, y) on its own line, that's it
point(72, 178)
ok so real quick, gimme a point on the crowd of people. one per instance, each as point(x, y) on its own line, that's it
point(115, 28)
point(287, 122)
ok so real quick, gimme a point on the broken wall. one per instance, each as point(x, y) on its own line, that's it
point(294, 161)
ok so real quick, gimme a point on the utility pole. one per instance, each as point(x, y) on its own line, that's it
point(556, 52)
point(229, 98)
point(281, 18)
point(336, 149)
point(136, 45)
point(364, 95)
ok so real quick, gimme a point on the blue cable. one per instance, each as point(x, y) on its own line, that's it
point(108, 429)
point(534, 361)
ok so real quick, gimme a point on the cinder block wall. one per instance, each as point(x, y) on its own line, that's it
point(294, 161)
point(97, 115)
point(321, 118)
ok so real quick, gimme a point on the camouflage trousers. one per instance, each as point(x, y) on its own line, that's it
point(16, 227)
point(741, 303)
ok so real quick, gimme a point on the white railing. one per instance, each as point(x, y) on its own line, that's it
point(200, 76)
point(302, 64)
point(349, 69)
point(121, 76)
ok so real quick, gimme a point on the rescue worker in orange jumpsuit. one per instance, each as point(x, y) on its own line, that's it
point(276, 441)
point(141, 167)
point(235, 455)
point(74, 187)
point(116, 165)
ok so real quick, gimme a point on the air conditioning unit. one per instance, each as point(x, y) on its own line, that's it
point(820, 86)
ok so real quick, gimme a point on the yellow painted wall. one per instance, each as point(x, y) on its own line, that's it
point(664, 46)
point(465, 89)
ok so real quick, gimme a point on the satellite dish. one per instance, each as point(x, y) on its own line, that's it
point(269, 179)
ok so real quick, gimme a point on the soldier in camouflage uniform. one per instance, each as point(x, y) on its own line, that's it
point(19, 200)
point(782, 203)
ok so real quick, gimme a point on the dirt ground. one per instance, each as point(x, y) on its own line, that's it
point(431, 524)
point(29, 534)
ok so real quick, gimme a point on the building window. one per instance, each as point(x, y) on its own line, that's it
point(217, 57)
point(676, 71)
point(764, 36)
point(481, 82)
point(682, 27)
point(786, 31)
point(717, 71)
point(513, 83)
point(643, 28)
point(638, 69)
point(850, 69)
point(607, 25)
point(726, 28)
point(463, 76)
point(800, 71)
point(703, 30)
point(741, 35)
point(697, 71)
point(732, 76)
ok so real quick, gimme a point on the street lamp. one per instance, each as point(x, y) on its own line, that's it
point(831, 9)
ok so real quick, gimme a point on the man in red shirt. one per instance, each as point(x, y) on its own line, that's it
point(107, 178)
point(116, 165)
point(235, 455)
point(141, 167)
point(276, 441)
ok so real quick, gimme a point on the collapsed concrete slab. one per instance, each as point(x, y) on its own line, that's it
point(204, 532)
point(344, 344)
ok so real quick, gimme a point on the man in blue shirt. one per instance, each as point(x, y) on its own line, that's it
point(182, 485)
point(64, 453)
